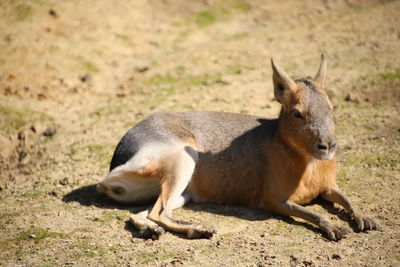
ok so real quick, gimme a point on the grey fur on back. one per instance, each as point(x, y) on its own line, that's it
point(212, 131)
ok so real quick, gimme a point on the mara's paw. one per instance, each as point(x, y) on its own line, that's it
point(200, 231)
point(151, 232)
point(335, 233)
point(364, 224)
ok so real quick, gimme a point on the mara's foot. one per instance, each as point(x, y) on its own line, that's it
point(364, 224)
point(200, 231)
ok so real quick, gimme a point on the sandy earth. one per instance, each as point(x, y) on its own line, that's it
point(75, 75)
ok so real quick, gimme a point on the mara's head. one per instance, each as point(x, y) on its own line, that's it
point(306, 120)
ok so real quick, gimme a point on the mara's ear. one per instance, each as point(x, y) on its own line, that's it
point(320, 76)
point(283, 84)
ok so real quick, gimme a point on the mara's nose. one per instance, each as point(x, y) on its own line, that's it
point(327, 146)
point(101, 188)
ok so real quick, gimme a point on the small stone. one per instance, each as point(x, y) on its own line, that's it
point(87, 78)
point(50, 131)
point(141, 67)
point(224, 81)
point(351, 98)
point(53, 13)
point(336, 256)
point(64, 181)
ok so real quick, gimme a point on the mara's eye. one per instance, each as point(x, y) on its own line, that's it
point(297, 113)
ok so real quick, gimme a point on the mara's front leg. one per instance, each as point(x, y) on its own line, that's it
point(362, 223)
point(290, 208)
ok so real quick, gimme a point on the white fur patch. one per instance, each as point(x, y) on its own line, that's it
point(137, 188)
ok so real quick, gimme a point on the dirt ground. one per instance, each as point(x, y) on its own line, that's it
point(75, 75)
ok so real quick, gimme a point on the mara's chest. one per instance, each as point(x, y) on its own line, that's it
point(312, 182)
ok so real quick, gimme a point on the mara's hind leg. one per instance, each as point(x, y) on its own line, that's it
point(146, 227)
point(178, 170)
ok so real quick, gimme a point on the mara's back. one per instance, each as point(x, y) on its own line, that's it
point(206, 132)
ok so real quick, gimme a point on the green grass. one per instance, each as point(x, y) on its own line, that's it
point(35, 234)
point(8, 215)
point(221, 11)
point(387, 78)
point(33, 193)
point(388, 158)
point(13, 119)
point(88, 250)
point(241, 5)
point(122, 37)
point(238, 68)
point(205, 18)
point(392, 78)
point(150, 257)
point(100, 152)
point(88, 66)
point(180, 79)
point(107, 217)
point(23, 12)
point(238, 36)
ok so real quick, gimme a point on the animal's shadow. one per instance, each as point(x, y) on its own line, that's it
point(88, 196)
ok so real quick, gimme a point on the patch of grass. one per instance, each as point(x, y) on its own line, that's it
point(221, 11)
point(392, 78)
point(205, 18)
point(388, 158)
point(342, 177)
point(229, 234)
point(109, 216)
point(388, 78)
point(13, 119)
point(23, 12)
point(163, 79)
point(241, 5)
point(88, 250)
point(149, 257)
point(85, 229)
point(33, 193)
point(180, 69)
point(48, 264)
point(175, 82)
point(237, 68)
point(101, 152)
point(8, 215)
point(88, 66)
point(122, 37)
point(114, 107)
point(22, 253)
point(178, 78)
point(36, 234)
point(239, 36)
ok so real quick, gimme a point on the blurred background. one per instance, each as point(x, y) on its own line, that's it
point(76, 74)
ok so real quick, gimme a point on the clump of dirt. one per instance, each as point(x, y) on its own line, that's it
point(24, 137)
